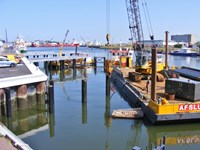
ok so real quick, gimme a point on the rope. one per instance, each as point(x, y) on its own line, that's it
point(148, 20)
point(108, 16)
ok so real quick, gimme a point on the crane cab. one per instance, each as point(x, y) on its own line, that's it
point(144, 64)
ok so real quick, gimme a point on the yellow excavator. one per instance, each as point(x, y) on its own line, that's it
point(143, 59)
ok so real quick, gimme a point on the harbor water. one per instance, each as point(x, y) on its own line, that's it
point(78, 122)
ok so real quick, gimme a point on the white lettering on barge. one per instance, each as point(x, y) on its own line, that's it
point(188, 107)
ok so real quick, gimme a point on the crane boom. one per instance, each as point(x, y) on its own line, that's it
point(61, 48)
point(135, 24)
point(143, 63)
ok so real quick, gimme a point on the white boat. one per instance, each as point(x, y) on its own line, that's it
point(184, 51)
point(20, 45)
point(118, 58)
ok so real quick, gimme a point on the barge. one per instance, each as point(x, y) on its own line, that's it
point(177, 98)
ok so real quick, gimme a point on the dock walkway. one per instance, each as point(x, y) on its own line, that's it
point(24, 73)
point(9, 141)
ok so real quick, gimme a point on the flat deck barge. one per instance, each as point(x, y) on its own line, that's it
point(177, 99)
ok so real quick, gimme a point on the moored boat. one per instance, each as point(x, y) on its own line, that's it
point(19, 44)
point(120, 58)
point(184, 51)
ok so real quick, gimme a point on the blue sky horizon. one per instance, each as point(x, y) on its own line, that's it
point(49, 20)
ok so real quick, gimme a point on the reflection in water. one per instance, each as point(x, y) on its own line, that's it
point(51, 108)
point(175, 134)
point(107, 117)
point(24, 120)
point(84, 113)
point(180, 61)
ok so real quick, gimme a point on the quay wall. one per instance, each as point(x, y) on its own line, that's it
point(23, 96)
point(24, 91)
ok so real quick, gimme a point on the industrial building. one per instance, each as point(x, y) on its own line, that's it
point(187, 38)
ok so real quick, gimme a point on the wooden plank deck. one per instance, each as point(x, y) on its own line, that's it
point(133, 113)
point(6, 145)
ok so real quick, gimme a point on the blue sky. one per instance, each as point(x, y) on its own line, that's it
point(50, 19)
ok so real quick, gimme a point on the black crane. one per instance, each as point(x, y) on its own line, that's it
point(143, 62)
point(135, 24)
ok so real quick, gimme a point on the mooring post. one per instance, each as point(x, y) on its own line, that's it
point(51, 107)
point(164, 142)
point(85, 62)
point(36, 64)
point(62, 64)
point(95, 65)
point(166, 50)
point(104, 62)
point(46, 67)
point(74, 63)
point(153, 75)
point(107, 109)
point(51, 96)
point(107, 86)
point(85, 73)
point(84, 90)
point(95, 62)
point(62, 75)
point(8, 103)
point(84, 101)
point(76, 50)
point(50, 68)
point(8, 108)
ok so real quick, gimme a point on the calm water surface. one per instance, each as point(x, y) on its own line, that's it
point(87, 126)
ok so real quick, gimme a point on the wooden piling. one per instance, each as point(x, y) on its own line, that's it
point(74, 64)
point(51, 96)
point(166, 50)
point(84, 90)
point(36, 64)
point(154, 70)
point(85, 62)
point(62, 64)
point(95, 62)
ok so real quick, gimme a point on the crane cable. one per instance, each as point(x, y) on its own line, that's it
point(148, 20)
point(108, 21)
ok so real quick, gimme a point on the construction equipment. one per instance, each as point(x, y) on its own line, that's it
point(143, 59)
point(61, 48)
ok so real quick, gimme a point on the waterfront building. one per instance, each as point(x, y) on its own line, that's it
point(159, 43)
point(187, 38)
